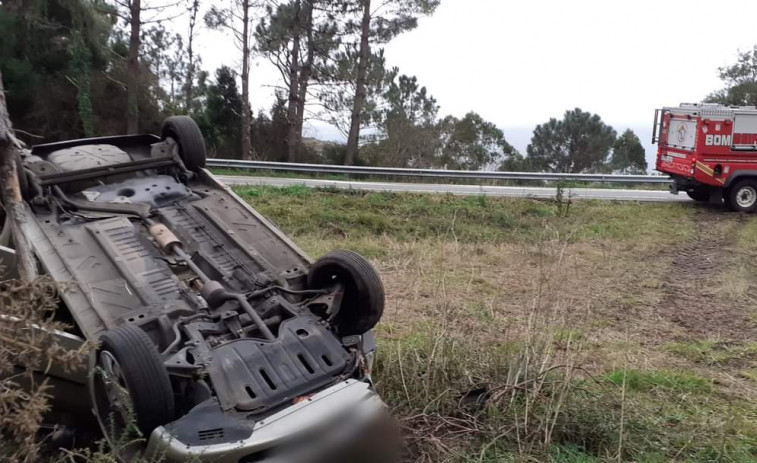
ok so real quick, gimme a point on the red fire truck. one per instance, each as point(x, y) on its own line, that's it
point(709, 150)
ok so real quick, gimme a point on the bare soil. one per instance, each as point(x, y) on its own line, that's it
point(696, 283)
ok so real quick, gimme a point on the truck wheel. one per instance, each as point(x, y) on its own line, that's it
point(129, 385)
point(363, 302)
point(742, 197)
point(187, 134)
point(699, 194)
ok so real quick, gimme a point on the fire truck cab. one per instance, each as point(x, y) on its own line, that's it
point(709, 150)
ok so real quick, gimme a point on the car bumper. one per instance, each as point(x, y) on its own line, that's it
point(327, 421)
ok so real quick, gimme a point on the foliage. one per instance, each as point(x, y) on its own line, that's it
point(27, 340)
point(236, 19)
point(84, 77)
point(471, 143)
point(73, 85)
point(269, 134)
point(220, 119)
point(324, 214)
point(338, 79)
point(740, 81)
point(580, 142)
point(628, 155)
point(407, 131)
point(365, 28)
point(52, 48)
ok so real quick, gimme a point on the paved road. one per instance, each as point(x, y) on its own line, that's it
point(463, 190)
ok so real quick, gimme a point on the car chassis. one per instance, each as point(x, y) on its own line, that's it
point(219, 338)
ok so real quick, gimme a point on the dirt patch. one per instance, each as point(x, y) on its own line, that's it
point(702, 294)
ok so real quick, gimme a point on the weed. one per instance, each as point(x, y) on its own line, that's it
point(506, 324)
point(563, 200)
point(326, 213)
point(636, 380)
point(711, 352)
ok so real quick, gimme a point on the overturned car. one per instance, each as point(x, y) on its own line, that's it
point(219, 339)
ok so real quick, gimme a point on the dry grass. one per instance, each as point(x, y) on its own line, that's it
point(27, 340)
point(563, 324)
point(517, 330)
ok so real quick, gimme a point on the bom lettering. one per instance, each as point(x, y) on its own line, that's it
point(717, 140)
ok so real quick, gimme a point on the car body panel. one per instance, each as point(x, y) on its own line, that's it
point(348, 404)
point(111, 218)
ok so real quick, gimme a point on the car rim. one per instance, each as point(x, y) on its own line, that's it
point(746, 197)
point(115, 409)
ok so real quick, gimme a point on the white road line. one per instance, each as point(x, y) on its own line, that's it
point(462, 190)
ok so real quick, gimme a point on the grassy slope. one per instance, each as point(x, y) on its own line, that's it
point(522, 330)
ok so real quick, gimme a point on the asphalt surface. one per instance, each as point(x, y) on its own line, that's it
point(463, 190)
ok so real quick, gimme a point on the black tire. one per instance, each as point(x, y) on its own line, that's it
point(742, 197)
point(363, 302)
point(699, 194)
point(144, 377)
point(187, 134)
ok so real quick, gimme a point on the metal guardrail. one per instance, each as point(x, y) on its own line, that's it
point(437, 173)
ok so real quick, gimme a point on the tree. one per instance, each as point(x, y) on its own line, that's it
point(220, 120)
point(51, 55)
point(163, 53)
point(740, 81)
point(360, 94)
point(295, 36)
point(580, 142)
point(237, 18)
point(379, 26)
point(132, 67)
point(10, 191)
point(194, 8)
point(337, 88)
point(628, 155)
point(131, 12)
point(408, 135)
point(471, 143)
point(515, 163)
point(279, 37)
point(269, 139)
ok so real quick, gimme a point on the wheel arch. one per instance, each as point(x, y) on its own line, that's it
point(739, 175)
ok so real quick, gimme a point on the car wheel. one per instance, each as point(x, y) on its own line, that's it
point(699, 194)
point(187, 134)
point(742, 197)
point(129, 384)
point(363, 301)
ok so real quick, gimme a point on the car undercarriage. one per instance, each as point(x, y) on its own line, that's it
point(210, 320)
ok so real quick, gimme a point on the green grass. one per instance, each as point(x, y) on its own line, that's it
point(660, 414)
point(711, 352)
point(303, 211)
point(555, 390)
point(747, 235)
point(635, 380)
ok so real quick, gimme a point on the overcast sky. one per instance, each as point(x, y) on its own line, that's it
point(520, 63)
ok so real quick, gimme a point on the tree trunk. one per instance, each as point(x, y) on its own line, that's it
point(306, 71)
point(360, 93)
point(11, 192)
point(246, 112)
point(132, 70)
point(190, 51)
point(294, 79)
